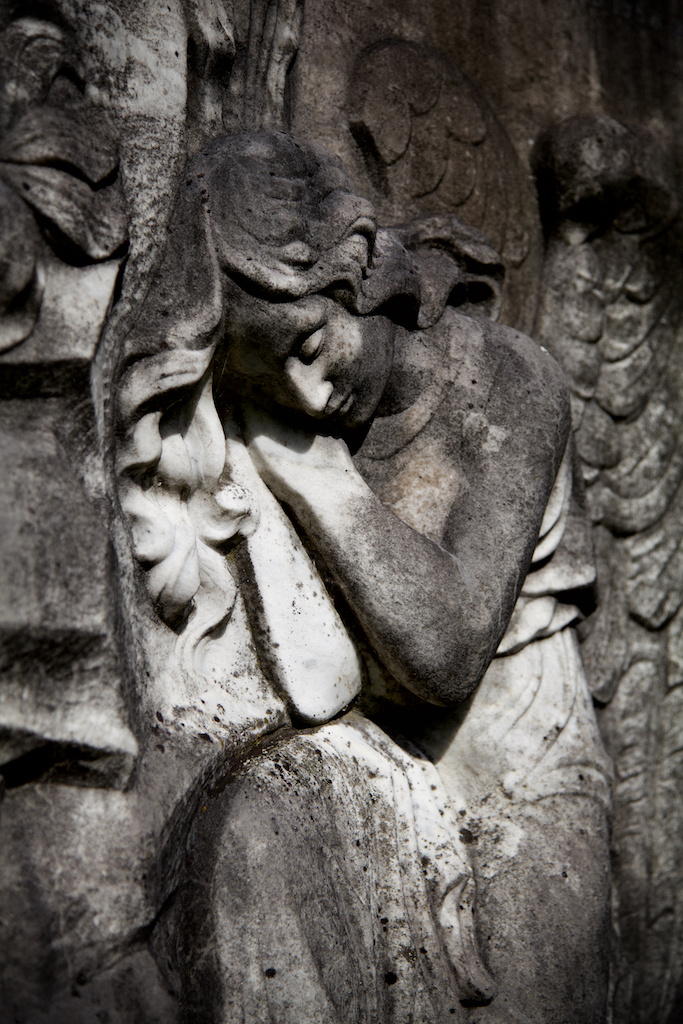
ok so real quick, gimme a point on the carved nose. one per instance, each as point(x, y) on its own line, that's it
point(314, 400)
point(311, 391)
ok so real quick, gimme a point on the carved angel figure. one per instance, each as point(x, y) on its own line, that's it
point(363, 432)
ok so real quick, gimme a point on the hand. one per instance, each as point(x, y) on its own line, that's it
point(290, 460)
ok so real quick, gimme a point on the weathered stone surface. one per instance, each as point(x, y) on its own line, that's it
point(291, 333)
point(60, 676)
point(293, 719)
point(612, 289)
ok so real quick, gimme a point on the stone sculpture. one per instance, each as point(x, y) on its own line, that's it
point(293, 720)
point(282, 320)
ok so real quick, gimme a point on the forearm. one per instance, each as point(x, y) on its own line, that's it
point(423, 611)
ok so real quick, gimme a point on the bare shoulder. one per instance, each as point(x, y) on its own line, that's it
point(490, 355)
point(507, 377)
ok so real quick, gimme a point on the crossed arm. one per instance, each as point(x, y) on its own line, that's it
point(434, 617)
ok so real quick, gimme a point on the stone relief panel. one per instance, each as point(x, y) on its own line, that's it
point(63, 233)
point(298, 539)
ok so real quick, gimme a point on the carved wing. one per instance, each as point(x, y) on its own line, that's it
point(611, 311)
point(430, 145)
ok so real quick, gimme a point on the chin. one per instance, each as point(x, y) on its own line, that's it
point(361, 410)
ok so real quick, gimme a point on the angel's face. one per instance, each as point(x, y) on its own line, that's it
point(310, 354)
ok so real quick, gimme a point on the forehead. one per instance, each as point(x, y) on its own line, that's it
point(271, 326)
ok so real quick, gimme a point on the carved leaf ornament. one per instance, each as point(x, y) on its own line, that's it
point(58, 173)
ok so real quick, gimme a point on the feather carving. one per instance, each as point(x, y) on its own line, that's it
point(611, 311)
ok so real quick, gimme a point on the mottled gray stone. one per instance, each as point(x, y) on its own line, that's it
point(294, 725)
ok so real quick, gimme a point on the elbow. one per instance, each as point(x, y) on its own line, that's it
point(452, 668)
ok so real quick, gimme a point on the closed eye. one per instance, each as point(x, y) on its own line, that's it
point(311, 346)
